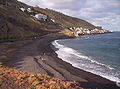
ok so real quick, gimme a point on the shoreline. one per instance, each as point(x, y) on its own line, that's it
point(38, 56)
point(70, 51)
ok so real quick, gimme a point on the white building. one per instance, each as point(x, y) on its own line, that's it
point(29, 10)
point(79, 32)
point(71, 28)
point(81, 28)
point(22, 9)
point(88, 32)
point(41, 17)
point(77, 29)
point(53, 20)
point(96, 29)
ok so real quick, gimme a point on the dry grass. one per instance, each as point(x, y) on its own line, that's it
point(15, 79)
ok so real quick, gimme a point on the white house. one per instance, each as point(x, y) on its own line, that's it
point(53, 20)
point(22, 9)
point(81, 28)
point(41, 17)
point(96, 29)
point(80, 32)
point(77, 29)
point(29, 10)
point(71, 28)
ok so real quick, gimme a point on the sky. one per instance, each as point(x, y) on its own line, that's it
point(105, 13)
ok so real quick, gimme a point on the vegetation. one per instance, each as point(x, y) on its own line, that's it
point(14, 79)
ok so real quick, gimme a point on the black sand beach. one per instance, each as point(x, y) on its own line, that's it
point(38, 56)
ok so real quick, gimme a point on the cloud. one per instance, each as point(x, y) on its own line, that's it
point(65, 4)
point(34, 2)
point(104, 13)
point(99, 12)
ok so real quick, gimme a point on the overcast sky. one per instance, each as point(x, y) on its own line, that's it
point(105, 13)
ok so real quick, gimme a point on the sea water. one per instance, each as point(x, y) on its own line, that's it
point(99, 54)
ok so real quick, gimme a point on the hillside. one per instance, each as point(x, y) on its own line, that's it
point(64, 20)
point(17, 22)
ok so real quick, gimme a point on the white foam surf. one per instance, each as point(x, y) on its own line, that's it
point(86, 63)
point(74, 52)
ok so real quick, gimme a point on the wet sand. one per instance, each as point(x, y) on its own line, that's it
point(38, 56)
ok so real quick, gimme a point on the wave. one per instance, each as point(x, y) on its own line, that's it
point(55, 43)
point(80, 55)
point(80, 61)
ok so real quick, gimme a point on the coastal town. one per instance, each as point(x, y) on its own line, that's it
point(85, 31)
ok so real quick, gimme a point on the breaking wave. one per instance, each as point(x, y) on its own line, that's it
point(86, 63)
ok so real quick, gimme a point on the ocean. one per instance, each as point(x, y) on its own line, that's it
point(99, 55)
